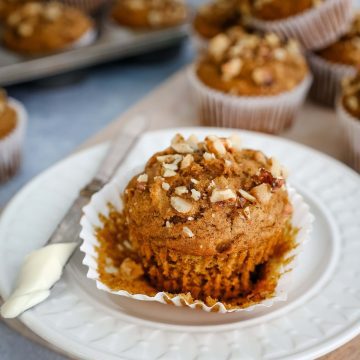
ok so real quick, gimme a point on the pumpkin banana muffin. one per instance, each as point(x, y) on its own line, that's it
point(7, 116)
point(331, 64)
point(149, 14)
point(41, 28)
point(205, 217)
point(250, 80)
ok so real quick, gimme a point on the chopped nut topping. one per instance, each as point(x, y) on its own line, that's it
point(179, 144)
point(228, 163)
point(187, 161)
point(169, 173)
point(262, 76)
point(190, 218)
point(209, 156)
point(218, 45)
point(231, 69)
point(25, 30)
point(260, 157)
point(170, 166)
point(196, 195)
point(131, 269)
point(165, 186)
point(193, 141)
point(172, 158)
point(275, 167)
point(194, 181)
point(272, 39)
point(143, 178)
point(280, 54)
point(262, 193)
point(188, 232)
point(222, 195)
point(180, 205)
point(180, 190)
point(247, 196)
point(235, 142)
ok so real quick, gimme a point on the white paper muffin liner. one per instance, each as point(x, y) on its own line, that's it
point(270, 114)
point(86, 39)
point(351, 126)
point(327, 79)
point(110, 194)
point(11, 145)
point(314, 28)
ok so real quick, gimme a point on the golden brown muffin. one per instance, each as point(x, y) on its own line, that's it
point(251, 64)
point(205, 216)
point(346, 50)
point(41, 28)
point(216, 17)
point(280, 9)
point(9, 6)
point(145, 14)
point(8, 116)
point(351, 95)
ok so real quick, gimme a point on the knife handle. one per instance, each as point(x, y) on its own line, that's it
point(123, 141)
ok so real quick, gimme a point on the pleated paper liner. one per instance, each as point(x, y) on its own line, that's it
point(327, 79)
point(315, 28)
point(109, 198)
point(11, 145)
point(351, 126)
point(270, 114)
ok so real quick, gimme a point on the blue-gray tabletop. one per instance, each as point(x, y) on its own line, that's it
point(63, 113)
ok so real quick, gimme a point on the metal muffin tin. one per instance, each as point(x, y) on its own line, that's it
point(113, 42)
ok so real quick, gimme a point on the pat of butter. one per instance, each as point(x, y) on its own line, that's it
point(40, 271)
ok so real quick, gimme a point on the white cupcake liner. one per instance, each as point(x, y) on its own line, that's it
point(314, 28)
point(327, 79)
point(351, 126)
point(11, 144)
point(271, 114)
point(110, 194)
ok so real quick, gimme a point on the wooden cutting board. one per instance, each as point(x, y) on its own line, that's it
point(170, 106)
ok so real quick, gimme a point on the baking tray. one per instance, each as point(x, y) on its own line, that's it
point(113, 42)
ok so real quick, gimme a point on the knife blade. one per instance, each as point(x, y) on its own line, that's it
point(43, 267)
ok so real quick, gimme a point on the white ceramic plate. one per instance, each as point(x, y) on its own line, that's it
point(322, 311)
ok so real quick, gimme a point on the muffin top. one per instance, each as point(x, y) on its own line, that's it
point(149, 13)
point(280, 9)
point(8, 117)
point(215, 17)
point(207, 198)
point(8, 6)
point(351, 95)
point(241, 63)
point(37, 28)
point(347, 49)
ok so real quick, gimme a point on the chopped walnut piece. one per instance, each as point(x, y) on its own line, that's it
point(196, 195)
point(247, 196)
point(194, 181)
point(131, 269)
point(265, 177)
point(193, 141)
point(222, 195)
point(275, 167)
point(180, 205)
point(169, 173)
point(171, 166)
point(209, 156)
point(180, 190)
point(143, 178)
point(188, 232)
point(171, 158)
point(260, 157)
point(215, 145)
point(165, 186)
point(231, 69)
point(218, 45)
point(262, 193)
point(179, 144)
point(187, 161)
point(235, 142)
point(262, 76)
point(272, 39)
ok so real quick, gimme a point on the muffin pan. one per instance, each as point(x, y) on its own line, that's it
point(112, 42)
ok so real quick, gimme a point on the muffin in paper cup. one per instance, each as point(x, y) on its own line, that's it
point(270, 114)
point(109, 198)
point(11, 145)
point(351, 127)
point(327, 79)
point(314, 28)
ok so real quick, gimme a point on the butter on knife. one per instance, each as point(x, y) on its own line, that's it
point(43, 268)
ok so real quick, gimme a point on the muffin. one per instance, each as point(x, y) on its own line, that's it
point(331, 64)
point(348, 111)
point(43, 28)
point(149, 14)
point(252, 81)
point(206, 216)
point(314, 23)
point(12, 129)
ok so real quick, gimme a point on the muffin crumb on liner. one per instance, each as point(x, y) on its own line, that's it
point(98, 210)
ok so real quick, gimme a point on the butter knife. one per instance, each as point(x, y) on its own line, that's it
point(43, 267)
